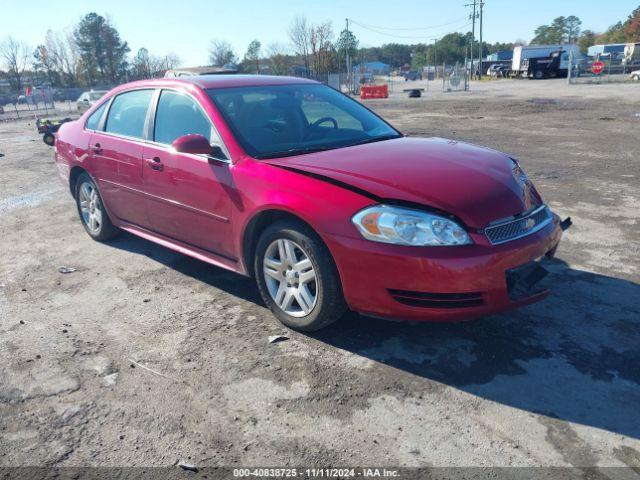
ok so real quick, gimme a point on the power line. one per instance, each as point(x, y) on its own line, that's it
point(411, 37)
point(429, 27)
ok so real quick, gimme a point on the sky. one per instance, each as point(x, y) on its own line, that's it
point(187, 27)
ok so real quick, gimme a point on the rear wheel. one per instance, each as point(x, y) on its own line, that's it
point(94, 217)
point(297, 277)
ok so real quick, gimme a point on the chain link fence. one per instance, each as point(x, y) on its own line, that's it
point(42, 102)
point(457, 79)
point(602, 69)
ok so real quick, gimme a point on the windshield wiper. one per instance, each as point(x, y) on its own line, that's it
point(293, 151)
point(301, 151)
point(375, 139)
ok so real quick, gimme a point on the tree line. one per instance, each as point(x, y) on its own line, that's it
point(90, 54)
point(93, 52)
point(568, 30)
point(314, 49)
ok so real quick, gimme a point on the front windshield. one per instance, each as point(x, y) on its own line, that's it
point(283, 120)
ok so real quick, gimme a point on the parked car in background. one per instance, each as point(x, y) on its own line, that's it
point(88, 99)
point(412, 75)
point(194, 71)
point(635, 76)
point(66, 94)
point(498, 70)
point(320, 200)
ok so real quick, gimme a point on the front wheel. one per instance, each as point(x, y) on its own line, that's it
point(49, 139)
point(94, 217)
point(297, 277)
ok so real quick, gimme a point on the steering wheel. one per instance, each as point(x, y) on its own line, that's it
point(322, 120)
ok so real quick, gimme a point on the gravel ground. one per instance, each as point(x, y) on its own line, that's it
point(144, 357)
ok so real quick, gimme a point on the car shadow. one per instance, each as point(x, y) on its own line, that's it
point(574, 356)
point(232, 283)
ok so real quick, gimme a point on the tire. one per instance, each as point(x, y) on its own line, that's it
point(93, 215)
point(636, 78)
point(49, 139)
point(538, 74)
point(291, 239)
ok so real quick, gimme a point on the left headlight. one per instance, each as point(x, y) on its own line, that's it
point(405, 226)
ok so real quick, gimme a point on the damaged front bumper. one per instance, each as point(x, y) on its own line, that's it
point(443, 284)
point(524, 281)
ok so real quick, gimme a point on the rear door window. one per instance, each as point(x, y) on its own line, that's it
point(178, 114)
point(128, 113)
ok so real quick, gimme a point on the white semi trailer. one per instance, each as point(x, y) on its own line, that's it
point(525, 52)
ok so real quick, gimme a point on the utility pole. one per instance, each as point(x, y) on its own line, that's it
point(435, 65)
point(473, 17)
point(348, 59)
point(480, 46)
point(473, 32)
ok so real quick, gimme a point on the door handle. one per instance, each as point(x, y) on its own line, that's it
point(155, 163)
point(96, 148)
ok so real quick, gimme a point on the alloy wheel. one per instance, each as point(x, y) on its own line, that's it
point(290, 277)
point(90, 207)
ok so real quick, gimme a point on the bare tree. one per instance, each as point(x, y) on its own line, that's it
point(172, 61)
point(160, 64)
point(42, 61)
point(300, 37)
point(145, 65)
point(280, 59)
point(63, 55)
point(221, 53)
point(322, 48)
point(15, 56)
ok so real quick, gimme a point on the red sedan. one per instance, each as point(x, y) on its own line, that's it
point(327, 205)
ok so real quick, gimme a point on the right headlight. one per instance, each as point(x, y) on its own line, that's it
point(406, 226)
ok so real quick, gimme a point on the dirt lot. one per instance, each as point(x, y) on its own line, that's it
point(145, 357)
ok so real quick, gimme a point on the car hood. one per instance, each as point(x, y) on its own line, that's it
point(475, 184)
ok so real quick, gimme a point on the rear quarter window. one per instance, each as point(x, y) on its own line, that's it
point(94, 120)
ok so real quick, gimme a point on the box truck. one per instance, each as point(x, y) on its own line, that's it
point(520, 66)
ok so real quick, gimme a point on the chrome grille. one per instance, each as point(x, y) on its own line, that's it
point(518, 227)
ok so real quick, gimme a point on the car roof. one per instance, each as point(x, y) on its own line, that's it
point(218, 81)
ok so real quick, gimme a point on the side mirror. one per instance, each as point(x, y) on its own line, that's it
point(196, 144)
